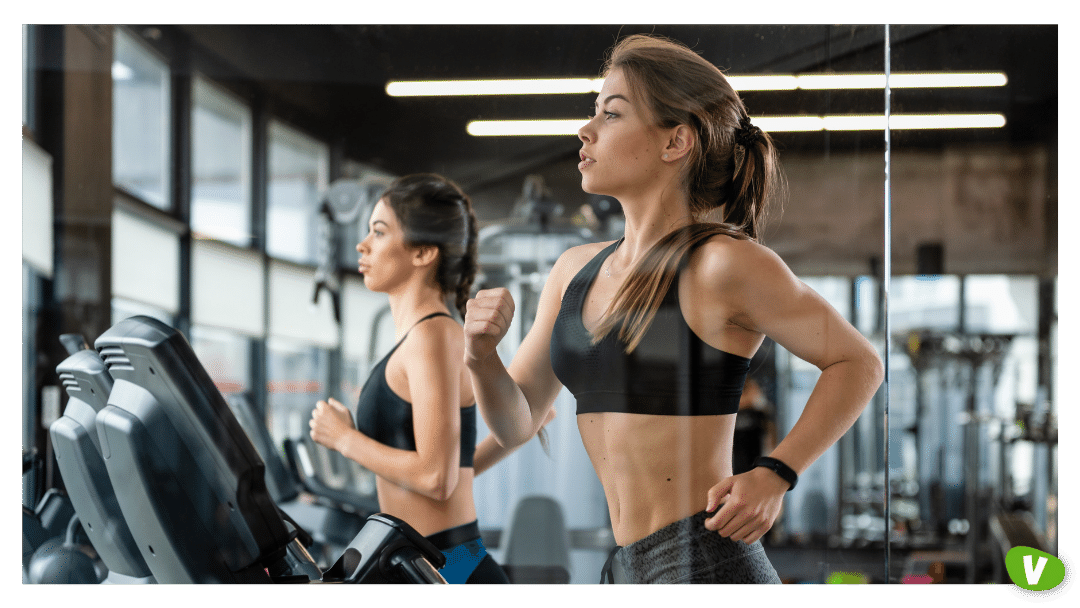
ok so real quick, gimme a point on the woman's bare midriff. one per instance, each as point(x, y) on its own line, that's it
point(656, 470)
point(425, 514)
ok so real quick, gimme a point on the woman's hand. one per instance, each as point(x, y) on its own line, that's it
point(330, 421)
point(751, 500)
point(487, 319)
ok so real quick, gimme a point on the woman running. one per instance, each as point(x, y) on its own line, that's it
point(415, 424)
point(653, 333)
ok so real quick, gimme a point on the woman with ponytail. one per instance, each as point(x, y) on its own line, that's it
point(415, 424)
point(653, 333)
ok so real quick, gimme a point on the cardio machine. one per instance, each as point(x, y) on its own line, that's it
point(172, 467)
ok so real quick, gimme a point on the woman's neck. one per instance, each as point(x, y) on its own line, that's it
point(412, 303)
point(648, 220)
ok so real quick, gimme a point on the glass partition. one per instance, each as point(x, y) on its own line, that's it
point(973, 427)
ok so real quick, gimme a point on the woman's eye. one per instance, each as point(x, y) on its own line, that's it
point(611, 115)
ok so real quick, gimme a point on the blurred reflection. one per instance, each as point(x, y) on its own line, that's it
point(973, 455)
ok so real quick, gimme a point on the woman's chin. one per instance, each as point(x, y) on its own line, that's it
point(588, 187)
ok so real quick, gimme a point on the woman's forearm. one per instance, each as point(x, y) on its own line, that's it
point(431, 477)
point(839, 397)
point(501, 402)
point(488, 453)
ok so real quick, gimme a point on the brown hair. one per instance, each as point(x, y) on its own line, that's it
point(435, 212)
point(724, 173)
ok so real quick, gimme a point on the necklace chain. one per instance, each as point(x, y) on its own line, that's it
point(607, 267)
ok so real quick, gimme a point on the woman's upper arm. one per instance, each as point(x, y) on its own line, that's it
point(433, 370)
point(764, 295)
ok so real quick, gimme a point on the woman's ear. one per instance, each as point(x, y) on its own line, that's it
point(425, 255)
point(679, 143)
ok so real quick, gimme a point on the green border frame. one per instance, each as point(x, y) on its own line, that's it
point(550, 12)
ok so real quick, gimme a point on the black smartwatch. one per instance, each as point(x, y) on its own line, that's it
point(785, 472)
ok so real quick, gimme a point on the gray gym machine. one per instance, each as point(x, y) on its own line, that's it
point(182, 487)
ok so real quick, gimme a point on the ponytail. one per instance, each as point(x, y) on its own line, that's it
point(469, 264)
point(756, 174)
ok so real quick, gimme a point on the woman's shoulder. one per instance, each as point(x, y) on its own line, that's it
point(722, 260)
point(436, 338)
point(724, 250)
point(575, 258)
point(581, 254)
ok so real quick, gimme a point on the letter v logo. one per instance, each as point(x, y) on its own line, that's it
point(1034, 570)
point(1033, 574)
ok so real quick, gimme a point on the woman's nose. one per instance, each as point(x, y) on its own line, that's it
point(583, 133)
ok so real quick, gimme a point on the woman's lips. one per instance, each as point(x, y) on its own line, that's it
point(585, 161)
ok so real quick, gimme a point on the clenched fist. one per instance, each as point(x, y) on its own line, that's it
point(330, 421)
point(487, 319)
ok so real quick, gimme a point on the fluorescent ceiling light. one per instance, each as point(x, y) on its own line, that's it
point(539, 86)
point(946, 121)
point(877, 81)
point(525, 127)
point(959, 79)
point(772, 124)
point(775, 82)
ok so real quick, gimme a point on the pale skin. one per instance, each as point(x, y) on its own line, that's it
point(489, 451)
point(656, 470)
point(426, 487)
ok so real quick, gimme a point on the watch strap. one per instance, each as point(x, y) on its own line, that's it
point(777, 466)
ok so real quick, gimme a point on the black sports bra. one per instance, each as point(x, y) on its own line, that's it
point(672, 372)
point(387, 418)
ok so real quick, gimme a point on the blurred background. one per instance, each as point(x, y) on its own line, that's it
point(217, 177)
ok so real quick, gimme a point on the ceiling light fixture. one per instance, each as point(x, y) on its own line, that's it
point(872, 81)
point(777, 82)
point(524, 127)
point(773, 124)
point(538, 86)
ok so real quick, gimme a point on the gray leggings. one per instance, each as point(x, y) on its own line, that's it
point(685, 552)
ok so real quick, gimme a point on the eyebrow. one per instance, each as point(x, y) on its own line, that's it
point(379, 222)
point(615, 96)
